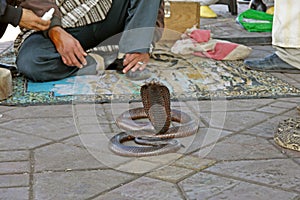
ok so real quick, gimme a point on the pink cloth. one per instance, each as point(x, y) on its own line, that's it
point(220, 52)
point(199, 43)
point(200, 35)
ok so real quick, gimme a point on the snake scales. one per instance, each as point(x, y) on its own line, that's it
point(288, 133)
point(156, 137)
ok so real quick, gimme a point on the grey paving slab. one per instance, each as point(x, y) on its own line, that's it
point(288, 152)
point(205, 137)
point(209, 186)
point(6, 156)
point(83, 112)
point(294, 76)
point(95, 118)
point(164, 160)
point(89, 127)
point(234, 121)
point(64, 157)
point(75, 141)
point(97, 146)
point(191, 111)
point(144, 188)
point(292, 79)
point(50, 128)
point(193, 142)
point(76, 185)
point(291, 99)
point(14, 193)
point(272, 109)
point(260, 51)
point(11, 140)
point(14, 180)
point(4, 118)
point(194, 163)
point(113, 110)
point(285, 104)
point(41, 112)
point(91, 119)
point(246, 104)
point(240, 147)
point(266, 128)
point(14, 167)
point(87, 109)
point(5, 109)
point(138, 166)
point(208, 106)
point(170, 173)
point(280, 173)
point(292, 113)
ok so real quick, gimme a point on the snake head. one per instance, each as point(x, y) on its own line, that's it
point(156, 101)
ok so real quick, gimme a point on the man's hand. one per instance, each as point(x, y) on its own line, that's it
point(29, 20)
point(135, 61)
point(68, 47)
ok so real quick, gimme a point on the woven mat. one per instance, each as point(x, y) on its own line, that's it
point(187, 77)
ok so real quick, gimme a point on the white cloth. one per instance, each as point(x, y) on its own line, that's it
point(286, 24)
point(286, 31)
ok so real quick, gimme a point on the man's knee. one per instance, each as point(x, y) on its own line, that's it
point(35, 67)
point(26, 65)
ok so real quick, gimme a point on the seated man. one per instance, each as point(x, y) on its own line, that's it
point(78, 26)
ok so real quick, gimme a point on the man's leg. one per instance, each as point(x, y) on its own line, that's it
point(39, 61)
point(139, 26)
point(104, 32)
point(290, 56)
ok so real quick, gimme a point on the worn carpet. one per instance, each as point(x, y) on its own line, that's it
point(187, 77)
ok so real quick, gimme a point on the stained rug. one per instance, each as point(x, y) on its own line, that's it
point(187, 77)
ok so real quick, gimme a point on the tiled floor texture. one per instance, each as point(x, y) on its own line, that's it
point(59, 152)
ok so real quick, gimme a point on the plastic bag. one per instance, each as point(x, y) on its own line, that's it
point(256, 21)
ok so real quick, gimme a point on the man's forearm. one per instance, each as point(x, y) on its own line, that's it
point(54, 33)
point(55, 22)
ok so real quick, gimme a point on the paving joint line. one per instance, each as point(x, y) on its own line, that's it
point(31, 175)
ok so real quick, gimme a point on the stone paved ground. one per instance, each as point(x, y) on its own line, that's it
point(60, 152)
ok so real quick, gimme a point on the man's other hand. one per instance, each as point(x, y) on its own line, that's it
point(68, 47)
